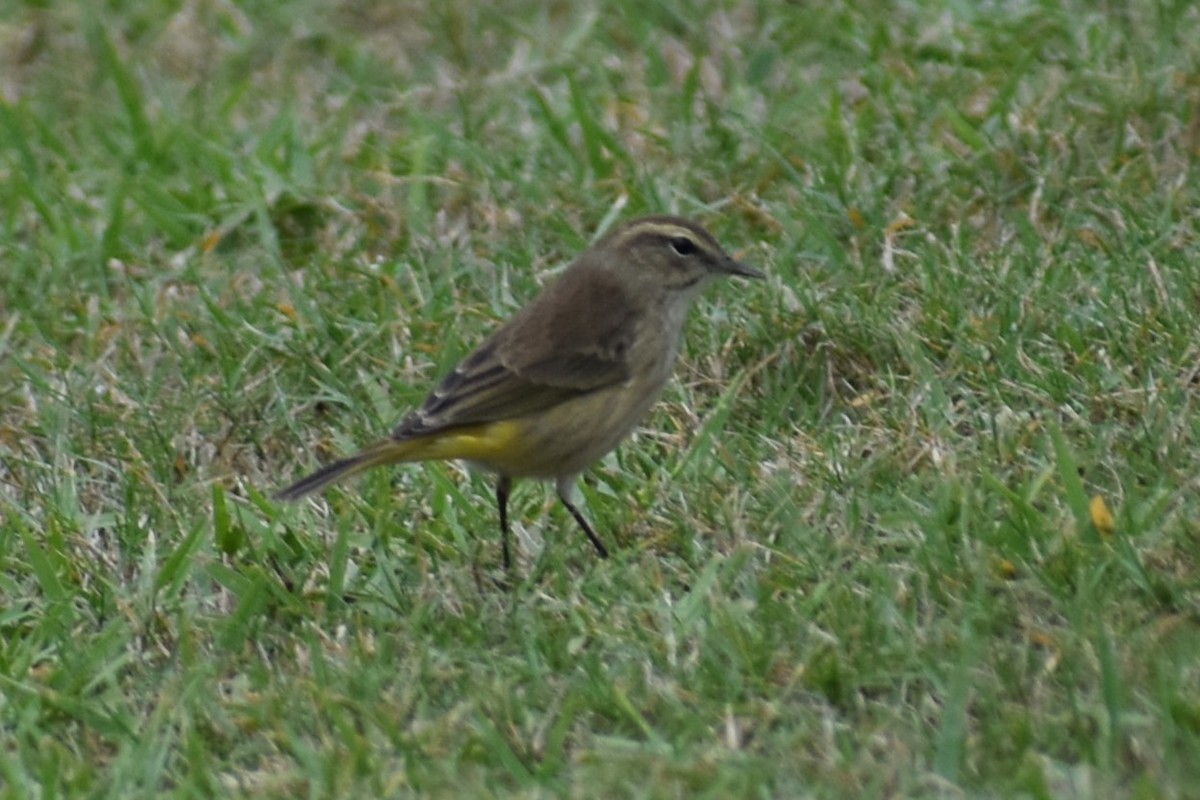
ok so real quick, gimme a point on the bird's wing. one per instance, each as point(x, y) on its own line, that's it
point(572, 339)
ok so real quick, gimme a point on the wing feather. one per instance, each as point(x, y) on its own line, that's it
point(573, 339)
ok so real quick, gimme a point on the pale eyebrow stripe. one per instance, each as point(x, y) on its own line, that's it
point(664, 230)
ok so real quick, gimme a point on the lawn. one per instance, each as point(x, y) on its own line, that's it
point(918, 516)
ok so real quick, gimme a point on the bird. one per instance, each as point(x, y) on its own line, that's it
point(568, 377)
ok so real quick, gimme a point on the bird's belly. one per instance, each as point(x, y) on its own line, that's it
point(570, 437)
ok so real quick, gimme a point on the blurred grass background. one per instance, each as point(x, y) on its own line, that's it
point(918, 517)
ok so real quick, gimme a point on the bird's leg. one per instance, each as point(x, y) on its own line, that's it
point(503, 485)
point(566, 493)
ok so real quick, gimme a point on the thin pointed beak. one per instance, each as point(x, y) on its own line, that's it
point(735, 267)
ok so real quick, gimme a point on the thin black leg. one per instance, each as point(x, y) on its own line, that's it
point(583, 523)
point(502, 488)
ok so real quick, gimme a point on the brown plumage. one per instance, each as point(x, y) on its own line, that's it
point(569, 376)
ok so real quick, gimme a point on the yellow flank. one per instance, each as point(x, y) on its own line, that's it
point(492, 441)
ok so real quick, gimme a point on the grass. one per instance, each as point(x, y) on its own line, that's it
point(917, 518)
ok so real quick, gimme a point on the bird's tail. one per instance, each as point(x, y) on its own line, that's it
point(386, 451)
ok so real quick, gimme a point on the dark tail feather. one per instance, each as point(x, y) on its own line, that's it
point(386, 452)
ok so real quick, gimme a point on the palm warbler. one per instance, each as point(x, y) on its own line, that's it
point(565, 380)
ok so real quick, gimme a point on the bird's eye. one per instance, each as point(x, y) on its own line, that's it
point(683, 245)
